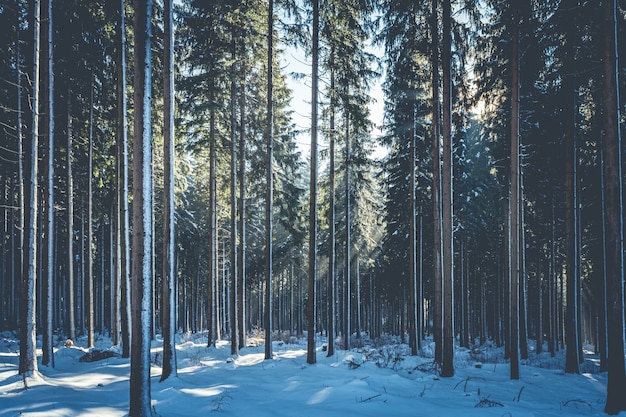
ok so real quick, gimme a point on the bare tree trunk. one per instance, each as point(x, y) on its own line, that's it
point(412, 242)
point(514, 204)
point(28, 328)
point(71, 296)
point(523, 284)
point(437, 263)
point(269, 197)
point(124, 236)
point(615, 400)
point(331, 215)
point(89, 287)
point(241, 259)
point(447, 367)
point(169, 276)
point(311, 358)
point(141, 290)
point(213, 299)
point(572, 358)
point(20, 173)
point(234, 347)
point(347, 253)
point(602, 294)
point(48, 351)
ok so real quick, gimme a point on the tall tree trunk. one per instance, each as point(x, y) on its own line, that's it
point(141, 289)
point(601, 285)
point(71, 296)
point(523, 285)
point(124, 233)
point(347, 252)
point(552, 304)
point(241, 259)
point(48, 339)
point(331, 214)
point(89, 287)
point(269, 197)
point(437, 273)
point(412, 242)
point(311, 358)
point(615, 400)
point(28, 328)
point(213, 299)
point(234, 347)
point(572, 358)
point(20, 176)
point(169, 275)
point(447, 367)
point(514, 227)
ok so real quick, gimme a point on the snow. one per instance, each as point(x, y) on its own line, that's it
point(367, 381)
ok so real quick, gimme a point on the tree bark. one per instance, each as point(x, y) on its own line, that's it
point(437, 262)
point(514, 227)
point(347, 252)
point(48, 337)
point(213, 299)
point(89, 287)
point(241, 258)
point(311, 358)
point(234, 347)
point(572, 358)
point(615, 400)
point(141, 291)
point(269, 197)
point(28, 328)
point(447, 367)
point(412, 242)
point(168, 275)
point(331, 214)
point(124, 232)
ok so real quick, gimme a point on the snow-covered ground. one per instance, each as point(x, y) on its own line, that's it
point(368, 381)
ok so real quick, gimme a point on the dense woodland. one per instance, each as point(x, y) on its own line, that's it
point(153, 180)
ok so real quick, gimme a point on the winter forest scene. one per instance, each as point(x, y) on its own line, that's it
point(308, 208)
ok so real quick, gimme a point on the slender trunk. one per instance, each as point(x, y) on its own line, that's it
point(20, 180)
point(269, 197)
point(615, 401)
point(122, 134)
point(48, 351)
point(28, 323)
point(437, 263)
point(141, 290)
point(213, 299)
point(514, 228)
point(234, 347)
point(89, 287)
point(523, 305)
point(412, 241)
point(241, 259)
point(552, 323)
point(331, 215)
point(168, 275)
point(447, 367)
point(311, 359)
point(602, 294)
point(572, 358)
point(347, 253)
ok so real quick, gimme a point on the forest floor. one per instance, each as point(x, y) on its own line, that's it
point(372, 380)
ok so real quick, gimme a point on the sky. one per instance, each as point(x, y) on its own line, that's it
point(294, 60)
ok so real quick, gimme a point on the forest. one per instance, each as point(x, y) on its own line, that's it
point(156, 179)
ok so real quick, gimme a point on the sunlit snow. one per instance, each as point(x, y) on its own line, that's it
point(373, 380)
